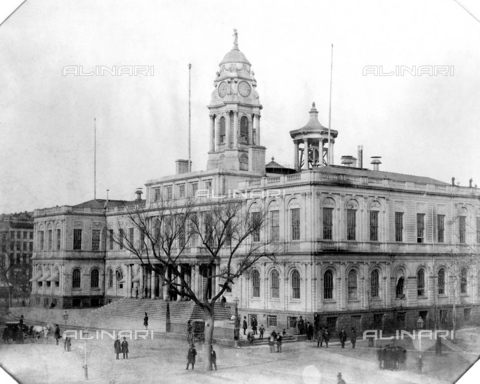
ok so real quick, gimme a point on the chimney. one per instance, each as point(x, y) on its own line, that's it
point(347, 160)
point(376, 162)
point(182, 166)
point(453, 181)
point(470, 182)
point(138, 192)
point(360, 156)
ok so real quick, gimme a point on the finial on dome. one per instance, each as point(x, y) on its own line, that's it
point(273, 158)
point(235, 39)
point(313, 105)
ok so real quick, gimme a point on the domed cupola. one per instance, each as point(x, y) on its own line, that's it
point(235, 116)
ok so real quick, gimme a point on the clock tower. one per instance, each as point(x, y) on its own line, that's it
point(235, 117)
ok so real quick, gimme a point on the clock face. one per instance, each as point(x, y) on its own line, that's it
point(244, 89)
point(222, 89)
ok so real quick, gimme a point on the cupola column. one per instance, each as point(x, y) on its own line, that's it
point(217, 133)
point(235, 129)
point(227, 131)
point(295, 155)
point(257, 129)
point(330, 152)
point(212, 133)
point(250, 130)
point(305, 153)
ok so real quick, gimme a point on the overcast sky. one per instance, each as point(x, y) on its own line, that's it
point(421, 125)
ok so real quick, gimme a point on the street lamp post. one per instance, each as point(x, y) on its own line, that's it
point(236, 334)
point(85, 367)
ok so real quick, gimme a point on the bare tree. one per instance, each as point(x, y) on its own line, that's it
point(228, 237)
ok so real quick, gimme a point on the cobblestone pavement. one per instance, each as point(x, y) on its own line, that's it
point(164, 360)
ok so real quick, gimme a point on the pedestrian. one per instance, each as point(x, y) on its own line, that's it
point(21, 322)
point(284, 333)
point(117, 347)
point(262, 330)
point(125, 348)
point(271, 341)
point(307, 330)
point(223, 301)
point(245, 325)
point(343, 337)
point(145, 321)
point(67, 344)
point(279, 343)
point(57, 333)
point(213, 359)
point(310, 331)
point(320, 337)
point(325, 336)
point(340, 379)
point(254, 325)
point(300, 326)
point(250, 337)
point(353, 337)
point(192, 352)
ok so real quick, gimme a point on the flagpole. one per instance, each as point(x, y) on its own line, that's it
point(95, 158)
point(329, 160)
point(189, 118)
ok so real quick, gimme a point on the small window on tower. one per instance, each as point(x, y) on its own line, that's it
point(244, 130)
point(222, 130)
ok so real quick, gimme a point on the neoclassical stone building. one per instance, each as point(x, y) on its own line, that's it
point(360, 247)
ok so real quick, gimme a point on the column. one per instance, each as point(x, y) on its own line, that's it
point(305, 153)
point(142, 279)
point(250, 131)
point(330, 152)
point(130, 268)
point(217, 133)
point(295, 155)
point(152, 285)
point(227, 130)
point(212, 133)
point(178, 281)
point(257, 128)
point(235, 129)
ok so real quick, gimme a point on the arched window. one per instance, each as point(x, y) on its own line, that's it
point(463, 281)
point(374, 283)
point(421, 283)
point(275, 285)
point(94, 278)
point(110, 278)
point(441, 281)
point(222, 130)
point(244, 129)
point(295, 285)
point(399, 288)
point(352, 284)
point(256, 283)
point(328, 285)
point(119, 279)
point(76, 278)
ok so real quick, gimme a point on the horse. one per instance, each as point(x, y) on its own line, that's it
point(44, 330)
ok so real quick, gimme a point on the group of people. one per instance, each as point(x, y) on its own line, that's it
point(305, 328)
point(192, 353)
point(121, 347)
point(254, 329)
point(276, 339)
point(392, 357)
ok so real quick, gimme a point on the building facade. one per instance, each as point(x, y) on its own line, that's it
point(359, 247)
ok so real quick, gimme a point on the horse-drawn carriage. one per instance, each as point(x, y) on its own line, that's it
point(16, 332)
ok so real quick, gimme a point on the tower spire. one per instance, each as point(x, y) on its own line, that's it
point(235, 40)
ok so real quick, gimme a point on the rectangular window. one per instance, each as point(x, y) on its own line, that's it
point(181, 190)
point(194, 189)
point(31, 235)
point(462, 229)
point(19, 246)
point(168, 192)
point(31, 247)
point(398, 226)
point(332, 323)
point(420, 227)
point(131, 235)
point(291, 322)
point(110, 239)
point(440, 228)
point(271, 321)
point(41, 240)
point(19, 235)
point(12, 246)
point(373, 225)
point(12, 234)
point(120, 240)
point(142, 239)
point(59, 239)
point(327, 223)
point(25, 235)
point(275, 225)
point(96, 240)
point(208, 185)
point(77, 239)
point(401, 320)
point(295, 223)
point(351, 223)
point(181, 236)
point(478, 229)
point(256, 223)
point(157, 193)
point(50, 239)
point(25, 246)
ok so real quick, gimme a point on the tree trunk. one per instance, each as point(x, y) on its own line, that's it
point(209, 323)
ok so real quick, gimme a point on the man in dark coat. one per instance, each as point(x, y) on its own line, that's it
point(145, 321)
point(353, 337)
point(310, 331)
point(213, 359)
point(320, 337)
point(192, 352)
point(125, 348)
point(262, 330)
point(245, 325)
point(343, 337)
point(68, 343)
point(300, 326)
point(117, 347)
point(326, 336)
point(57, 333)
point(340, 379)
point(279, 343)
point(254, 325)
